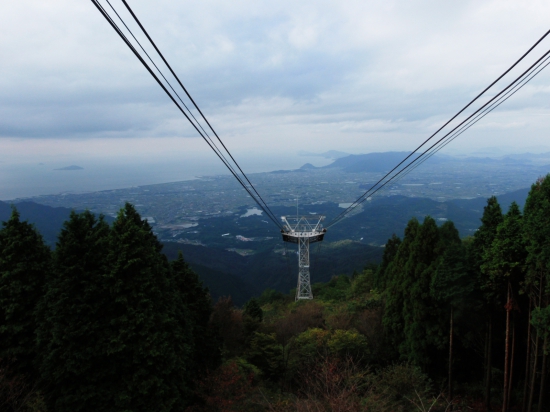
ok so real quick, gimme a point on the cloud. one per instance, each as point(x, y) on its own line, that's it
point(382, 72)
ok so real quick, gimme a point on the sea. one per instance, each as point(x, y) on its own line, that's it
point(24, 180)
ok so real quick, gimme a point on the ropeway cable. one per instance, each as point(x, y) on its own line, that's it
point(211, 144)
point(492, 102)
point(164, 77)
point(365, 195)
point(140, 58)
point(218, 151)
point(113, 24)
point(192, 100)
point(214, 147)
point(379, 182)
point(486, 111)
point(406, 171)
point(430, 152)
point(441, 144)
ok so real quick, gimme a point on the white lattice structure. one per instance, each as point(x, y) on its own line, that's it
point(303, 230)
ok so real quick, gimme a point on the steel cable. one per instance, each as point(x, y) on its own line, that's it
point(211, 144)
point(140, 58)
point(379, 182)
point(192, 100)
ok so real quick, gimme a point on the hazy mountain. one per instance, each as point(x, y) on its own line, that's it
point(331, 154)
point(72, 167)
point(371, 162)
point(384, 162)
point(476, 205)
point(48, 220)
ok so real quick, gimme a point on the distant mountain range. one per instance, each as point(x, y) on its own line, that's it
point(371, 162)
point(384, 161)
point(48, 220)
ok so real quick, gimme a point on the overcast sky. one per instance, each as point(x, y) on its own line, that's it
point(273, 77)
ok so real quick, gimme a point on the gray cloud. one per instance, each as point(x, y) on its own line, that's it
point(314, 68)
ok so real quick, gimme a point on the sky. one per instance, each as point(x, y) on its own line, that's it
point(273, 77)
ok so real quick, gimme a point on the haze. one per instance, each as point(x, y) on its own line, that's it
point(273, 77)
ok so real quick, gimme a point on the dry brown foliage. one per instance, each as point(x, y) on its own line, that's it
point(227, 321)
point(309, 315)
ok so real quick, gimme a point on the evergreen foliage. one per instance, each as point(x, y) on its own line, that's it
point(537, 236)
point(253, 310)
point(73, 316)
point(112, 325)
point(505, 258)
point(113, 337)
point(390, 250)
point(24, 265)
point(194, 306)
point(483, 240)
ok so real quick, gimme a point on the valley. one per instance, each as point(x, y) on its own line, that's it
point(237, 250)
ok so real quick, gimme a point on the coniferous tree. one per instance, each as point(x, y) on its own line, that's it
point(504, 263)
point(395, 277)
point(24, 264)
point(74, 317)
point(148, 345)
point(537, 282)
point(420, 320)
point(417, 308)
point(452, 287)
point(195, 303)
point(118, 341)
point(483, 239)
point(252, 309)
point(390, 250)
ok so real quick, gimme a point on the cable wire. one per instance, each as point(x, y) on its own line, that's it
point(492, 101)
point(190, 98)
point(486, 111)
point(379, 182)
point(211, 143)
point(140, 58)
point(219, 152)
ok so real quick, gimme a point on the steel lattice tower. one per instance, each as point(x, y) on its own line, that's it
point(303, 230)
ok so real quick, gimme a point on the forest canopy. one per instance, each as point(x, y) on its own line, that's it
point(105, 322)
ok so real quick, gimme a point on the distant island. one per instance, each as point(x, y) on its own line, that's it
point(72, 167)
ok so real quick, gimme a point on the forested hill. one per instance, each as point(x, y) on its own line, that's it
point(106, 322)
point(48, 220)
point(228, 273)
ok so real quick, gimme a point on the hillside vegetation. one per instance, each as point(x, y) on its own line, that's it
point(106, 322)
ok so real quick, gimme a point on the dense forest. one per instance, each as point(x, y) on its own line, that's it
point(104, 322)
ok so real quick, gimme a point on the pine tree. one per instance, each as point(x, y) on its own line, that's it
point(253, 310)
point(118, 341)
point(73, 316)
point(194, 302)
point(420, 320)
point(148, 346)
point(390, 250)
point(395, 277)
point(24, 264)
point(483, 239)
point(537, 282)
point(414, 317)
point(452, 287)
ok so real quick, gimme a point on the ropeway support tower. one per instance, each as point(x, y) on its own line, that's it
point(303, 230)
